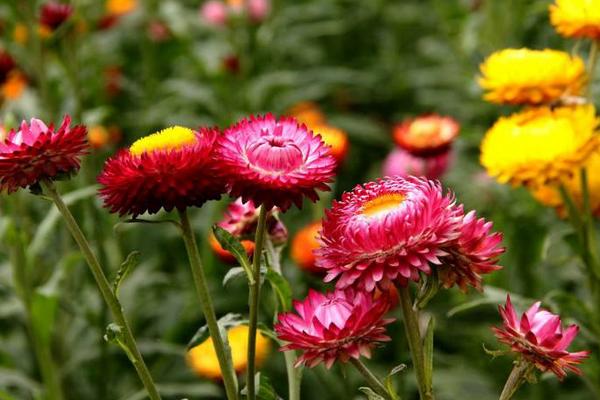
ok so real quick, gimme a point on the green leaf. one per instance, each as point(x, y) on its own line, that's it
point(225, 323)
point(233, 273)
point(114, 334)
point(233, 245)
point(281, 287)
point(428, 289)
point(130, 262)
point(428, 352)
point(264, 388)
point(371, 395)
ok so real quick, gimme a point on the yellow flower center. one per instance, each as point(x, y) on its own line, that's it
point(382, 203)
point(172, 138)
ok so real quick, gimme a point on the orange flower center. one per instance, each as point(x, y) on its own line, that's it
point(382, 204)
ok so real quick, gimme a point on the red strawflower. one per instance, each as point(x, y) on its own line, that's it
point(427, 135)
point(334, 326)
point(173, 168)
point(387, 231)
point(54, 14)
point(36, 152)
point(274, 162)
point(7, 64)
point(540, 339)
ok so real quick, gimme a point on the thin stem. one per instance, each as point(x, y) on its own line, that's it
point(415, 344)
point(515, 380)
point(254, 300)
point(294, 375)
point(371, 379)
point(229, 378)
point(109, 297)
point(592, 60)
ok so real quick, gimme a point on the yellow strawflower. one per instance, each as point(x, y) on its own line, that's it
point(203, 358)
point(120, 7)
point(576, 18)
point(541, 145)
point(524, 76)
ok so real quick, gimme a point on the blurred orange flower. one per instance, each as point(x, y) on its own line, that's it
point(20, 33)
point(15, 84)
point(225, 255)
point(303, 245)
point(120, 7)
point(307, 113)
point(427, 135)
point(335, 138)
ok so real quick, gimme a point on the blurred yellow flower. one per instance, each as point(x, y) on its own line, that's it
point(541, 145)
point(307, 113)
point(549, 195)
point(120, 7)
point(335, 138)
point(524, 76)
point(20, 33)
point(203, 359)
point(576, 18)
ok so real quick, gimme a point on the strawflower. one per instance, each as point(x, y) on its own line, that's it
point(427, 135)
point(539, 338)
point(173, 168)
point(334, 326)
point(303, 246)
point(120, 7)
point(576, 18)
point(214, 12)
point(53, 14)
point(274, 162)
point(524, 76)
point(307, 113)
point(336, 139)
point(400, 162)
point(203, 359)
point(38, 152)
point(542, 145)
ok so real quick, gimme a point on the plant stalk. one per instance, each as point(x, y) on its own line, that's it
point(515, 380)
point(109, 296)
point(227, 371)
point(254, 301)
point(371, 379)
point(415, 343)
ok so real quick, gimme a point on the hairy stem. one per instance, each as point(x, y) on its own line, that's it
point(371, 379)
point(515, 380)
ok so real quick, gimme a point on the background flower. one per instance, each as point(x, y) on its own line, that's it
point(427, 135)
point(400, 162)
point(576, 18)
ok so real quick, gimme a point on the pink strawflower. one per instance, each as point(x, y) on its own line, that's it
point(387, 231)
point(473, 253)
point(54, 14)
point(36, 152)
point(274, 162)
point(400, 162)
point(214, 12)
point(540, 339)
point(241, 218)
point(334, 326)
point(258, 10)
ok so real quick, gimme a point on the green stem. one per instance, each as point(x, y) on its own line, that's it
point(229, 378)
point(515, 380)
point(294, 375)
point(592, 60)
point(254, 300)
point(415, 343)
point(371, 379)
point(109, 296)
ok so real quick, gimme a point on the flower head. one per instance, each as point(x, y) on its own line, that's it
point(120, 7)
point(540, 339)
point(274, 162)
point(400, 162)
point(334, 326)
point(307, 113)
point(214, 12)
point(203, 358)
point(336, 139)
point(540, 145)
point(387, 231)
point(303, 246)
point(258, 10)
point(524, 76)
point(427, 135)
point(576, 18)
point(36, 152)
point(241, 219)
point(173, 168)
point(54, 14)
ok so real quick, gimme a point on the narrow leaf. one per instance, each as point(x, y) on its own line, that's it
point(233, 273)
point(232, 244)
point(428, 352)
point(371, 395)
point(281, 287)
point(130, 262)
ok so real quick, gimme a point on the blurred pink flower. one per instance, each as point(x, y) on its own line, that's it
point(214, 12)
point(334, 326)
point(540, 339)
point(258, 10)
point(401, 162)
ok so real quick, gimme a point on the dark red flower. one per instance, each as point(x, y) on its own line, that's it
point(54, 14)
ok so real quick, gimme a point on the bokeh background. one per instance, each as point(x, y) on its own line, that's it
point(368, 65)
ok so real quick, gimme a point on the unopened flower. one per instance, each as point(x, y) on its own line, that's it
point(427, 135)
point(203, 358)
point(387, 231)
point(274, 162)
point(400, 162)
point(524, 76)
point(120, 7)
point(576, 18)
point(307, 113)
point(36, 152)
point(214, 12)
point(334, 326)
point(303, 246)
point(539, 338)
point(54, 14)
point(336, 139)
point(173, 168)
point(241, 220)
point(541, 145)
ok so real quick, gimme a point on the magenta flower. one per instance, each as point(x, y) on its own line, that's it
point(214, 12)
point(241, 218)
point(274, 162)
point(334, 326)
point(400, 162)
point(258, 10)
point(540, 339)
point(36, 152)
point(387, 231)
